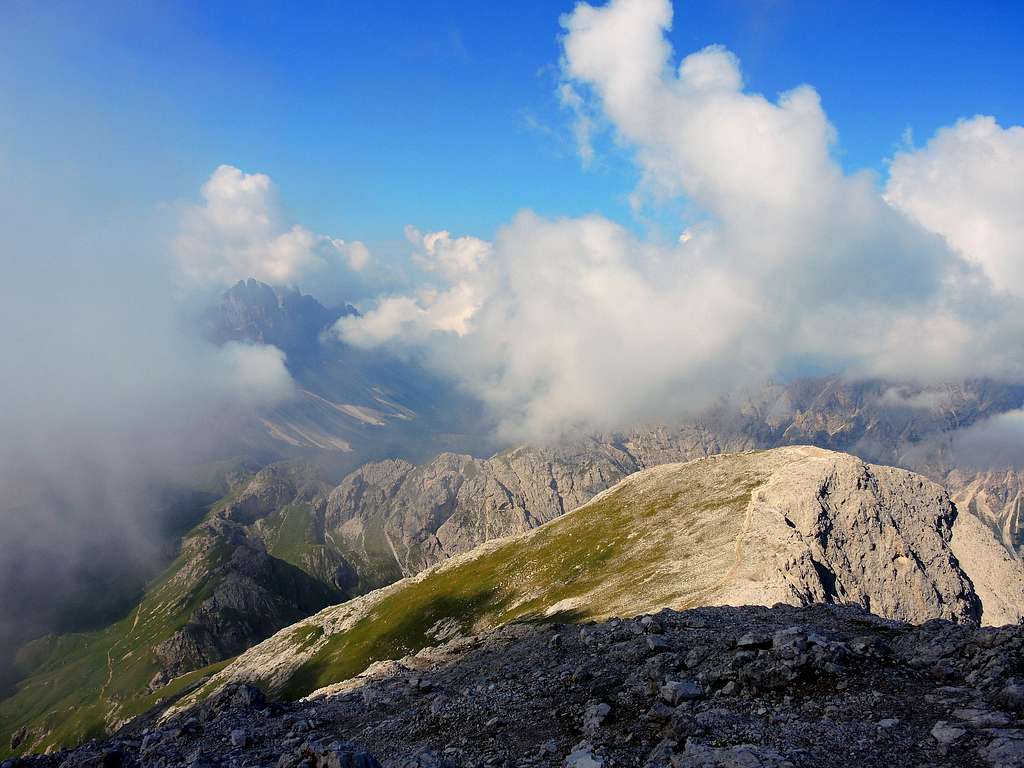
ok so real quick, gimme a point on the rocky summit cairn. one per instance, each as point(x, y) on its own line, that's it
point(751, 686)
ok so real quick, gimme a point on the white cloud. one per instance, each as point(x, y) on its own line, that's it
point(794, 265)
point(254, 374)
point(993, 443)
point(356, 254)
point(583, 122)
point(457, 264)
point(452, 258)
point(967, 184)
point(239, 232)
point(905, 397)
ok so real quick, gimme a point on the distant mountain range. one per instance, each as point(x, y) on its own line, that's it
point(363, 490)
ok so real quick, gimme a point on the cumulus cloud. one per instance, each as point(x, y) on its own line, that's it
point(239, 231)
point(788, 263)
point(356, 254)
point(256, 372)
point(967, 184)
point(458, 264)
point(452, 258)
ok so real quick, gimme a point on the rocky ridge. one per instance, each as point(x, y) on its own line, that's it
point(796, 525)
point(405, 517)
point(822, 686)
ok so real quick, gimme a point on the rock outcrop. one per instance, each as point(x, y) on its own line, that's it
point(995, 498)
point(252, 311)
point(252, 596)
point(401, 518)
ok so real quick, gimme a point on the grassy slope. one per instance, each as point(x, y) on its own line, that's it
point(290, 533)
point(607, 557)
point(618, 555)
point(77, 681)
point(74, 684)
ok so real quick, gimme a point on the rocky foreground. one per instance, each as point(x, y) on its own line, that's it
point(750, 686)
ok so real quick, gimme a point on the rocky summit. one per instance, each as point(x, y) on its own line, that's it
point(750, 686)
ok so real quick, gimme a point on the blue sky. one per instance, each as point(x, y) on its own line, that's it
point(370, 116)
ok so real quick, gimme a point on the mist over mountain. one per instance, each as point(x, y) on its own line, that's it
point(91, 519)
point(254, 312)
point(323, 329)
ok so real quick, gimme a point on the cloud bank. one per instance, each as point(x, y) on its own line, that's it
point(787, 264)
point(967, 184)
point(110, 394)
point(994, 443)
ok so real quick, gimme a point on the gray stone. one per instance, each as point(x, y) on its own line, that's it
point(982, 718)
point(945, 733)
point(1012, 695)
point(594, 717)
point(582, 756)
point(699, 755)
point(675, 691)
point(656, 644)
point(1005, 751)
point(660, 712)
point(753, 641)
point(650, 624)
point(790, 638)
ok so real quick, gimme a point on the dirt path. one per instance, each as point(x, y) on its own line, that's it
point(696, 598)
point(738, 561)
point(110, 674)
point(110, 651)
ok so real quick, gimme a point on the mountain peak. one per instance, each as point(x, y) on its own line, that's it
point(283, 316)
